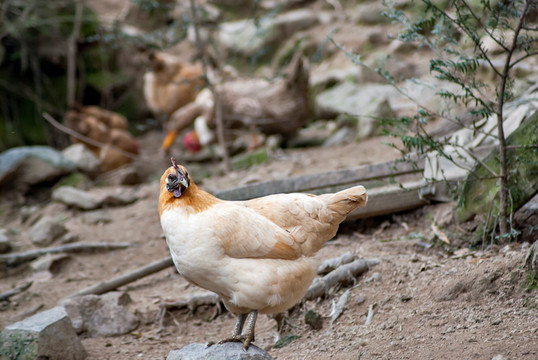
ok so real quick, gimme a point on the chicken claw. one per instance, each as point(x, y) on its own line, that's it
point(247, 338)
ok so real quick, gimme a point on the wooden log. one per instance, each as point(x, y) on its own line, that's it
point(392, 199)
point(324, 182)
point(344, 273)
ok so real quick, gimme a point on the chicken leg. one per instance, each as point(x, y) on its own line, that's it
point(237, 335)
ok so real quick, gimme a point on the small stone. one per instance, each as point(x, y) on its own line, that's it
point(46, 335)
point(228, 351)
point(115, 196)
point(46, 231)
point(5, 241)
point(499, 357)
point(69, 238)
point(376, 277)
point(49, 262)
point(313, 319)
point(97, 217)
point(83, 158)
point(359, 300)
point(75, 197)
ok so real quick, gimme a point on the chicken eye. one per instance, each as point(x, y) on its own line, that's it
point(172, 177)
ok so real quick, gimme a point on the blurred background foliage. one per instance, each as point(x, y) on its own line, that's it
point(34, 40)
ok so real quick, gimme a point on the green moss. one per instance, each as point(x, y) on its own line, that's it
point(480, 191)
point(256, 157)
point(18, 345)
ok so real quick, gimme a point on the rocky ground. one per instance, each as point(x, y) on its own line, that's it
point(429, 299)
point(425, 300)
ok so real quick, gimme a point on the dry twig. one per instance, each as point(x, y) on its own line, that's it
point(331, 264)
point(19, 258)
point(131, 276)
point(19, 289)
point(345, 273)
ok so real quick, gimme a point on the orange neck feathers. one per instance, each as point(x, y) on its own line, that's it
point(194, 198)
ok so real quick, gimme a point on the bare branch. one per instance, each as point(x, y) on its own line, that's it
point(526, 56)
point(127, 278)
point(218, 105)
point(19, 258)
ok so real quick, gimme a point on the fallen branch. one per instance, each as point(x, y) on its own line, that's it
point(331, 264)
point(338, 307)
point(115, 283)
point(19, 258)
point(30, 312)
point(345, 273)
point(19, 289)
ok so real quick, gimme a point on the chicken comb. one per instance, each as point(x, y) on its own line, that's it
point(174, 164)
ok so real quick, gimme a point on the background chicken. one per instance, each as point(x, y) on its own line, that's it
point(279, 106)
point(108, 128)
point(171, 84)
point(255, 254)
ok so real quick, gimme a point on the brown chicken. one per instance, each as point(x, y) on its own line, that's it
point(171, 84)
point(257, 255)
point(107, 128)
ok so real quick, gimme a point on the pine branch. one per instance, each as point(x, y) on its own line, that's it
point(467, 31)
point(500, 43)
point(218, 105)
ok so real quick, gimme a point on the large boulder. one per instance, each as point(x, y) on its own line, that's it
point(23, 167)
point(46, 335)
point(480, 192)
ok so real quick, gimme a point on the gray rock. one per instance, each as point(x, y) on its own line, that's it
point(5, 241)
point(25, 166)
point(247, 38)
point(75, 197)
point(46, 335)
point(228, 351)
point(340, 137)
point(83, 159)
point(49, 262)
point(322, 77)
point(114, 196)
point(499, 357)
point(526, 219)
point(104, 315)
point(367, 102)
point(69, 238)
point(46, 231)
point(97, 217)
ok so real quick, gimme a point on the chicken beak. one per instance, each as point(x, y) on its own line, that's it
point(182, 177)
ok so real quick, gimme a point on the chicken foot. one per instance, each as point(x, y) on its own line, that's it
point(237, 335)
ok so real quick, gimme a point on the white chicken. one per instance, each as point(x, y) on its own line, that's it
point(255, 254)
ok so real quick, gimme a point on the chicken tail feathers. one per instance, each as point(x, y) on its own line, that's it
point(345, 201)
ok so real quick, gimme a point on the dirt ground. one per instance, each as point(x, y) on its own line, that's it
point(440, 302)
